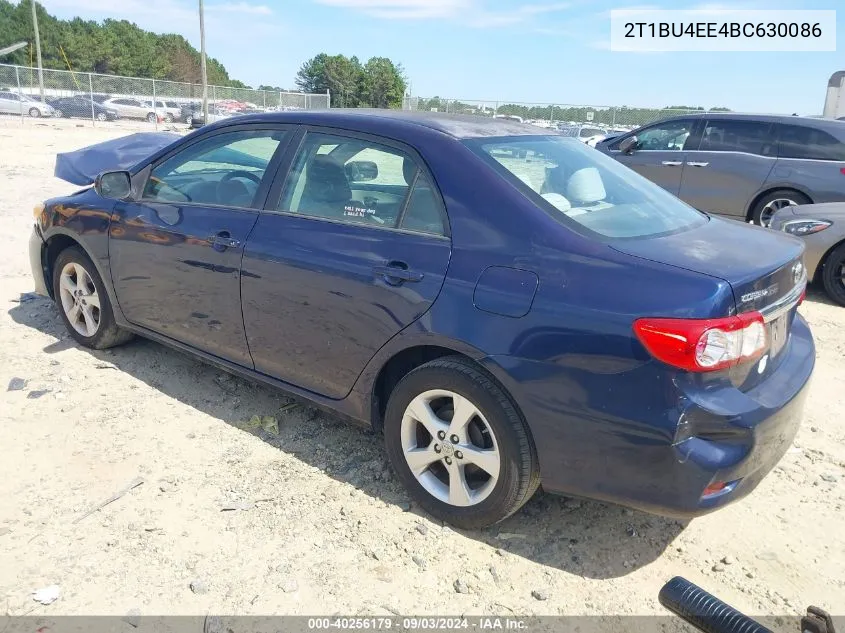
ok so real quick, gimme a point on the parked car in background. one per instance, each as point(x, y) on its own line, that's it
point(14, 103)
point(215, 113)
point(167, 113)
point(131, 108)
point(745, 167)
point(822, 227)
point(583, 133)
point(409, 271)
point(83, 108)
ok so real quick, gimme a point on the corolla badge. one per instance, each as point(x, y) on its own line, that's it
point(797, 272)
point(759, 294)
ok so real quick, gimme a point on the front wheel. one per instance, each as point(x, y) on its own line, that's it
point(83, 302)
point(58, 114)
point(151, 117)
point(833, 274)
point(102, 116)
point(772, 202)
point(459, 445)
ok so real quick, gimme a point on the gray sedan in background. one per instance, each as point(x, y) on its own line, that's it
point(741, 166)
point(822, 226)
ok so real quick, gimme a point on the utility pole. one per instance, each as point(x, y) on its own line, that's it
point(38, 50)
point(202, 66)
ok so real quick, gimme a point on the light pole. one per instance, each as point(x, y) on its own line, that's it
point(202, 66)
point(38, 50)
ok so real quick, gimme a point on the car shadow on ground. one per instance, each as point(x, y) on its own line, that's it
point(585, 538)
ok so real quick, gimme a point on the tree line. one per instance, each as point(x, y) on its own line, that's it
point(379, 83)
point(113, 47)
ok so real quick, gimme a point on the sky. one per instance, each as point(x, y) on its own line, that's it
point(539, 51)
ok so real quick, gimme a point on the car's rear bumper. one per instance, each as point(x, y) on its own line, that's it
point(613, 444)
point(36, 247)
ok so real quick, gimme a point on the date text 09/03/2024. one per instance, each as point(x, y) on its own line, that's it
point(430, 623)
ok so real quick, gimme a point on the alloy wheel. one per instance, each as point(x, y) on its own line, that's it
point(450, 448)
point(79, 299)
point(773, 207)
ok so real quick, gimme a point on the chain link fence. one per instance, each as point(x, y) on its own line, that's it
point(131, 102)
point(551, 115)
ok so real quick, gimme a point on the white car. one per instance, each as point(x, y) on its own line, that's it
point(169, 111)
point(14, 103)
point(131, 108)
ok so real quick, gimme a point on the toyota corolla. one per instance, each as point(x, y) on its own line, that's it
point(511, 308)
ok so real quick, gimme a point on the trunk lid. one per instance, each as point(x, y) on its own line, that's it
point(763, 267)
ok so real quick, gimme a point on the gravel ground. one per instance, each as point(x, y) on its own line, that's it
point(300, 514)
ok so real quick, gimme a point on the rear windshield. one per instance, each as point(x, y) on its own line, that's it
point(580, 185)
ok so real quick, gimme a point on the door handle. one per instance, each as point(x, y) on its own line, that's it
point(672, 163)
point(222, 240)
point(693, 163)
point(394, 273)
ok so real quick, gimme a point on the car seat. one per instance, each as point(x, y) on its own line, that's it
point(326, 191)
point(586, 188)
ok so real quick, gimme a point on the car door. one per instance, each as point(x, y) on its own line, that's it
point(659, 154)
point(176, 248)
point(726, 171)
point(10, 103)
point(336, 267)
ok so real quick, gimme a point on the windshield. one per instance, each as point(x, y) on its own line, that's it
point(579, 184)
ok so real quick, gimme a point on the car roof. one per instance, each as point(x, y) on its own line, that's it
point(459, 126)
point(768, 118)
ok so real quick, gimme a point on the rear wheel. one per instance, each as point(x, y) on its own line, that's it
point(151, 117)
point(459, 445)
point(102, 116)
point(168, 118)
point(34, 113)
point(59, 114)
point(774, 201)
point(83, 301)
point(833, 274)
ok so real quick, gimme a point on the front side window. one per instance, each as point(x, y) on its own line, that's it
point(357, 181)
point(586, 188)
point(750, 137)
point(669, 136)
point(224, 169)
point(798, 141)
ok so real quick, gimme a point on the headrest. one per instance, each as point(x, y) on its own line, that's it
point(586, 186)
point(325, 181)
point(409, 170)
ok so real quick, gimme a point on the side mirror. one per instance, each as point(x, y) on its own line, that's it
point(361, 170)
point(628, 145)
point(113, 184)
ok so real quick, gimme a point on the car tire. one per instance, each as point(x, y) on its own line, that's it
point(102, 116)
point(58, 114)
point(151, 117)
point(766, 206)
point(168, 118)
point(34, 113)
point(833, 274)
point(446, 479)
point(78, 290)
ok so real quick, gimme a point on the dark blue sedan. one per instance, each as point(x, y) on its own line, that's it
point(510, 307)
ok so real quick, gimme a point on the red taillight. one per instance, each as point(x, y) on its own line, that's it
point(714, 488)
point(703, 344)
point(803, 296)
point(842, 171)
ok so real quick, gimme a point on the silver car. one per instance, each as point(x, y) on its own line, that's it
point(131, 108)
point(822, 226)
point(14, 103)
point(744, 167)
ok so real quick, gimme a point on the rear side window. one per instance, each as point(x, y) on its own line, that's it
point(359, 181)
point(798, 141)
point(750, 137)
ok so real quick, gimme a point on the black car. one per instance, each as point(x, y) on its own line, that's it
point(81, 107)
